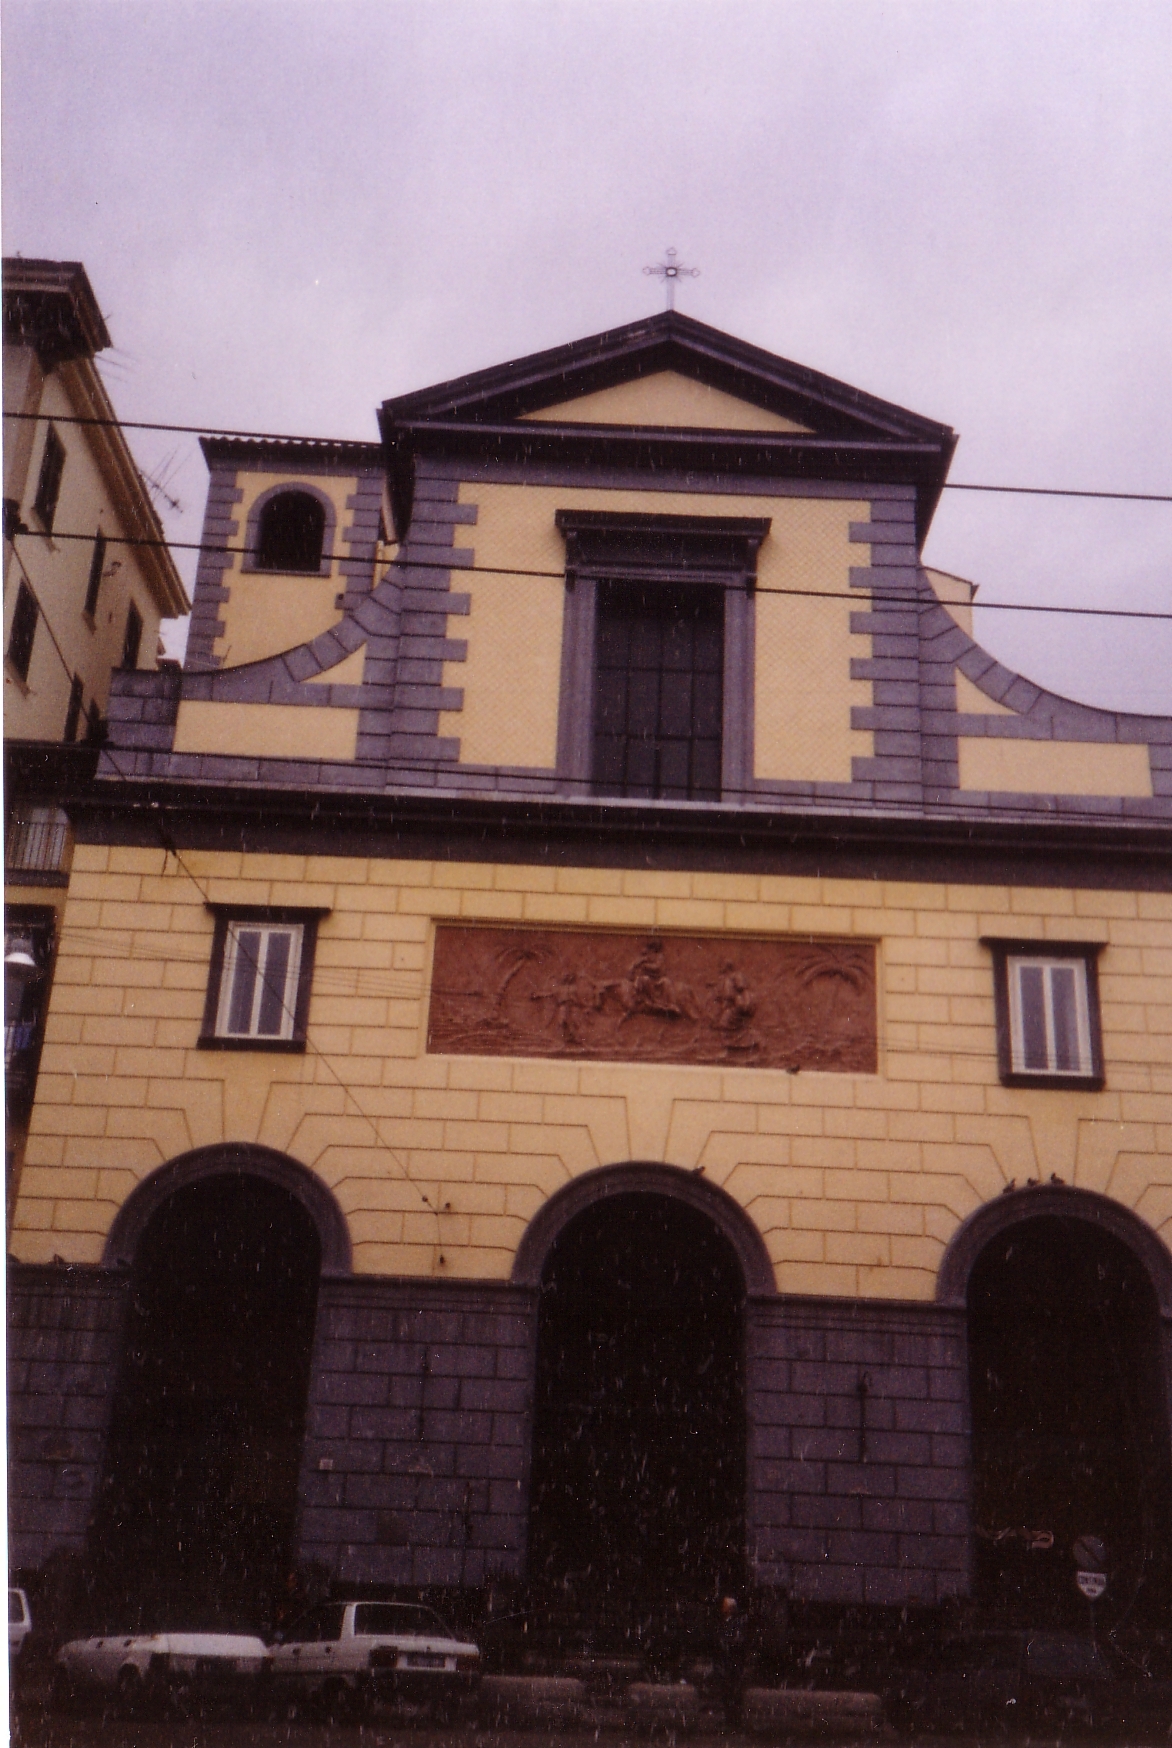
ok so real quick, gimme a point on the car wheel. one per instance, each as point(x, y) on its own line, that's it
point(904, 1717)
point(128, 1689)
point(446, 1708)
point(62, 1692)
point(339, 1704)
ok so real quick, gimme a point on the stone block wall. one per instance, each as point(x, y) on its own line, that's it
point(415, 1468)
point(859, 1452)
point(64, 1344)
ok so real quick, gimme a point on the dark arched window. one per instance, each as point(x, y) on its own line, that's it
point(291, 533)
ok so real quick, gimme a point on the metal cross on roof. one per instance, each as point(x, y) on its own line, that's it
point(669, 271)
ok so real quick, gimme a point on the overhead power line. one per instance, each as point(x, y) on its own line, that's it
point(372, 443)
point(861, 598)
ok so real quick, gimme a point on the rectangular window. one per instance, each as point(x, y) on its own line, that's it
point(261, 971)
point(657, 654)
point(49, 483)
point(73, 712)
point(133, 637)
point(36, 841)
point(24, 631)
point(28, 954)
point(658, 700)
point(259, 985)
point(97, 566)
point(1047, 1014)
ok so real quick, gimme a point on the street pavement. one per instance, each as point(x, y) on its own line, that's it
point(37, 1727)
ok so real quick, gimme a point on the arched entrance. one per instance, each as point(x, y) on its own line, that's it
point(638, 1475)
point(1069, 1418)
point(196, 1520)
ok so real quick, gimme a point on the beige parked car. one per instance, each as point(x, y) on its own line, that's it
point(20, 1622)
point(341, 1655)
point(140, 1664)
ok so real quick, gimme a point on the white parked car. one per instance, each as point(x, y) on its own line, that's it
point(20, 1621)
point(344, 1653)
point(164, 1663)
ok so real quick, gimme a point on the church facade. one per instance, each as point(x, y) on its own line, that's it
point(606, 1042)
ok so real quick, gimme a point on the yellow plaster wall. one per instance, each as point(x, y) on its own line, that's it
point(58, 572)
point(957, 595)
point(804, 691)
point(856, 1182)
point(512, 673)
point(667, 398)
point(275, 731)
point(347, 672)
point(1051, 767)
point(268, 612)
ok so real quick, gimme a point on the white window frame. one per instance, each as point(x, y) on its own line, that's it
point(1079, 960)
point(1017, 963)
point(237, 964)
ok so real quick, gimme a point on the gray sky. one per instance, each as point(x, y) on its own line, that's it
point(290, 209)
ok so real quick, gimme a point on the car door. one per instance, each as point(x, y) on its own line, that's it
point(310, 1653)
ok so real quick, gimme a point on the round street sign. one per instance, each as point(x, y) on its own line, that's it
point(1090, 1553)
point(1092, 1584)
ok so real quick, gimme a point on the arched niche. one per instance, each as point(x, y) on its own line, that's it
point(1054, 1201)
point(606, 1181)
point(252, 533)
point(231, 1159)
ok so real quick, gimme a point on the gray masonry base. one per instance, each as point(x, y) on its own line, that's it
point(415, 1468)
point(64, 1344)
point(859, 1469)
point(416, 1458)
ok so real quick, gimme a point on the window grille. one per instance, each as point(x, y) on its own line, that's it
point(37, 841)
point(658, 691)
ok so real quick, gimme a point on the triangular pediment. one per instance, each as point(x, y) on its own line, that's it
point(668, 400)
point(669, 372)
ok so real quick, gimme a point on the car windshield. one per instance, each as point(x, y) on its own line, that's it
point(320, 1624)
point(398, 1619)
point(15, 1607)
point(1071, 1658)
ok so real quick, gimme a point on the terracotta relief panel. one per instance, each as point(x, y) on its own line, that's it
point(738, 1000)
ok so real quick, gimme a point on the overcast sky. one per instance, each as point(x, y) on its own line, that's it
point(290, 209)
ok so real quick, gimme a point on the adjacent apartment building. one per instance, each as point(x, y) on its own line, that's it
point(600, 1041)
point(87, 580)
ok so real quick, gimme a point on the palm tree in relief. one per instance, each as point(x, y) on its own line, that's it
point(833, 978)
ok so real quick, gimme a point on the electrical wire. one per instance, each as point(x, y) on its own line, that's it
point(312, 1049)
point(372, 444)
point(119, 945)
point(548, 786)
point(863, 598)
point(44, 616)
